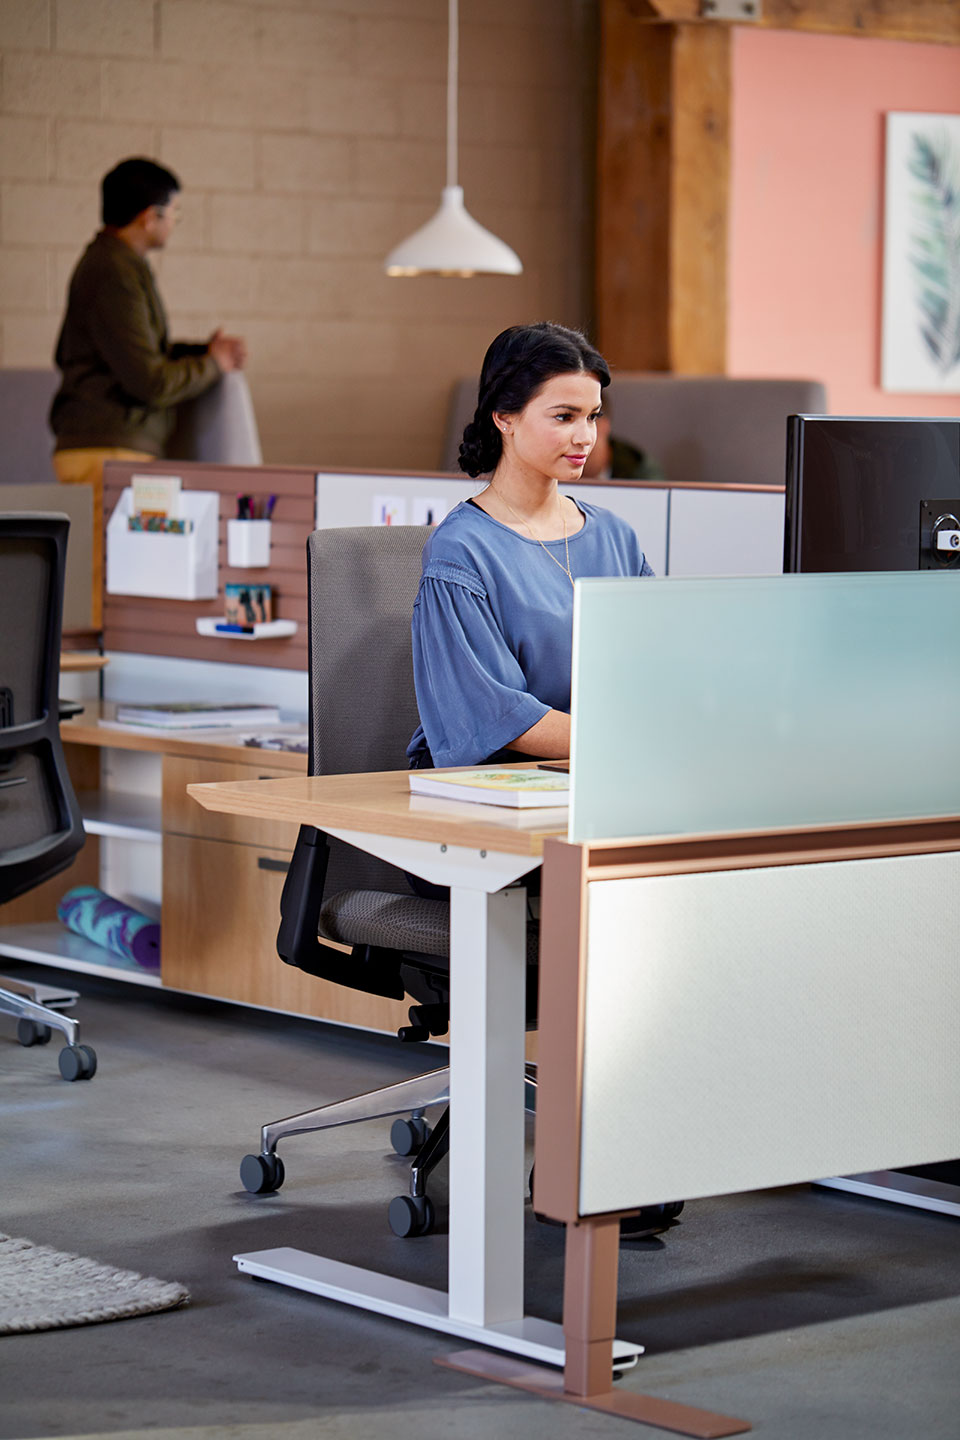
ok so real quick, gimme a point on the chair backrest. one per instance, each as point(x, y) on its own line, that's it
point(219, 426)
point(363, 708)
point(25, 397)
point(711, 428)
point(40, 825)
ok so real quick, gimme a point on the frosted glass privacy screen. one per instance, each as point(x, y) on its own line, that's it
point(756, 702)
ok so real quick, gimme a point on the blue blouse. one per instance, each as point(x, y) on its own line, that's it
point(492, 626)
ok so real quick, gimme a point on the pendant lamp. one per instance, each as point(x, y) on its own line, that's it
point(452, 243)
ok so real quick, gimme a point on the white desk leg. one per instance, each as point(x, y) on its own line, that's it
point(488, 941)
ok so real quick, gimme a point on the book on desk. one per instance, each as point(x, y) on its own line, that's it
point(520, 789)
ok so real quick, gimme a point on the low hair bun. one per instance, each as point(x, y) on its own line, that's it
point(480, 448)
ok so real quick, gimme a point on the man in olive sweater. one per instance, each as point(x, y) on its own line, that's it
point(122, 377)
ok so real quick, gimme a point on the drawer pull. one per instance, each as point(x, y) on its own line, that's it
point(267, 862)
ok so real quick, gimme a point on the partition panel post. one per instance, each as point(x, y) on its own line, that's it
point(590, 1304)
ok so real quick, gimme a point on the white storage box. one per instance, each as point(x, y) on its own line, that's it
point(248, 543)
point(168, 566)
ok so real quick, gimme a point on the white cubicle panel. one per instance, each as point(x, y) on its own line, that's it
point(682, 530)
point(358, 499)
point(726, 532)
point(751, 703)
point(759, 1027)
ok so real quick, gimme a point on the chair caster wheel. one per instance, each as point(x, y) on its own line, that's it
point(651, 1220)
point(77, 1062)
point(411, 1215)
point(30, 1033)
point(261, 1174)
point(407, 1136)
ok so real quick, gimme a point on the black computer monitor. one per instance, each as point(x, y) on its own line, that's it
point(870, 493)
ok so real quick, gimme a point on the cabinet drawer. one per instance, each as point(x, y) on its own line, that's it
point(183, 816)
point(221, 910)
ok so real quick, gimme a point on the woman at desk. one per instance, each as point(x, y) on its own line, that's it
point(492, 622)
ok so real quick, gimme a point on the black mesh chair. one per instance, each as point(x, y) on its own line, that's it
point(363, 710)
point(40, 825)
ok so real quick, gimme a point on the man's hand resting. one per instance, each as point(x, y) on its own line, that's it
point(229, 351)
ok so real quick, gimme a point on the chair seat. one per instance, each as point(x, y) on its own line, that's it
point(395, 922)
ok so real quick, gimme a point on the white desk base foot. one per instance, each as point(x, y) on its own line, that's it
point(416, 1304)
point(900, 1189)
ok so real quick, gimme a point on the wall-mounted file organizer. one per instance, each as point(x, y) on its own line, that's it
point(157, 563)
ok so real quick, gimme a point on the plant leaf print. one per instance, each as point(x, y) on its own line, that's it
point(935, 244)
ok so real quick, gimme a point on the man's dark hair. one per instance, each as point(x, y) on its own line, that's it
point(519, 361)
point(135, 185)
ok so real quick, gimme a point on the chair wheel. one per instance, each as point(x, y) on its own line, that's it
point(261, 1174)
point(651, 1220)
point(30, 1033)
point(77, 1062)
point(411, 1215)
point(407, 1136)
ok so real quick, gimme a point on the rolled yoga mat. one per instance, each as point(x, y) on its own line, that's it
point(108, 922)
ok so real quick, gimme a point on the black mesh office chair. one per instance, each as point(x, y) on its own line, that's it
point(40, 825)
point(362, 585)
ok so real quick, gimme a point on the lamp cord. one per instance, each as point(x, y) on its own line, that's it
point(453, 43)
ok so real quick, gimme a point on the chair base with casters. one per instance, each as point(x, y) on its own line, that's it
point(38, 1010)
point(408, 1215)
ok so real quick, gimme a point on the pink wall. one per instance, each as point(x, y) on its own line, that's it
point(806, 229)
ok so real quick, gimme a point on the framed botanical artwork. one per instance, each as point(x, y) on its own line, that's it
point(921, 255)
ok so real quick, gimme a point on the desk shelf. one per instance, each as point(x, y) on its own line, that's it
point(53, 944)
point(121, 815)
point(262, 630)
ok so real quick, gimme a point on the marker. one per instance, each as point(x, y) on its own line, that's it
point(229, 629)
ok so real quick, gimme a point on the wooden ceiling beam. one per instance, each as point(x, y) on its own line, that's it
point(935, 22)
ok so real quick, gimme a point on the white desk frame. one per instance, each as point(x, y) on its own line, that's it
point(484, 1300)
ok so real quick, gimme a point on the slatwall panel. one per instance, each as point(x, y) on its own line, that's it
point(168, 627)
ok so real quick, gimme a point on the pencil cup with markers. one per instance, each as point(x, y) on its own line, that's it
point(248, 536)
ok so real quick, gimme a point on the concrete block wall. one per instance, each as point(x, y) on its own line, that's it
point(309, 136)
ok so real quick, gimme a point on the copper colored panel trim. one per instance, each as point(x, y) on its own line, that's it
point(549, 1385)
point(684, 854)
point(560, 1062)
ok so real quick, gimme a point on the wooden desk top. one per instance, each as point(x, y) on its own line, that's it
point(71, 660)
point(95, 725)
point(381, 804)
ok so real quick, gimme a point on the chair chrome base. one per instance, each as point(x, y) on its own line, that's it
point(41, 1004)
point(407, 1095)
point(416, 1304)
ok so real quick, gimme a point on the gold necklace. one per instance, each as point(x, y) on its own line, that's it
point(526, 523)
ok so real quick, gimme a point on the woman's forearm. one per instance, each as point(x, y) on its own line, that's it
point(550, 737)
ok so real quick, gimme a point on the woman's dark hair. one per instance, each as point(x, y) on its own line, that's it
point(517, 364)
point(132, 186)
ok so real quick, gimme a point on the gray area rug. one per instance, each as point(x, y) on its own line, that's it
point(43, 1289)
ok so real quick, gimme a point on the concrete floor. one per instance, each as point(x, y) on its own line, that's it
point(810, 1313)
